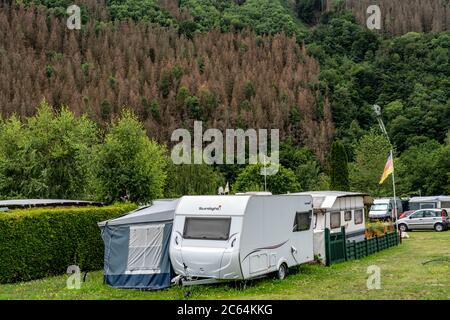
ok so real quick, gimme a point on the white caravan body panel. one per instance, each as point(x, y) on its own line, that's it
point(259, 235)
point(337, 209)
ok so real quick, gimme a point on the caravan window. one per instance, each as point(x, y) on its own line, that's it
point(302, 221)
point(207, 228)
point(445, 204)
point(348, 215)
point(430, 205)
point(335, 219)
point(359, 216)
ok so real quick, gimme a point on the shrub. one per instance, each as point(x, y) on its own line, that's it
point(378, 229)
point(42, 242)
point(129, 165)
point(339, 167)
point(47, 156)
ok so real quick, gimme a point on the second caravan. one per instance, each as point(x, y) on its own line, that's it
point(242, 236)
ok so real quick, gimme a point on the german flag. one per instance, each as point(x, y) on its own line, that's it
point(388, 168)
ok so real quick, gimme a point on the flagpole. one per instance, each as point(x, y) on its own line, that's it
point(393, 187)
point(377, 110)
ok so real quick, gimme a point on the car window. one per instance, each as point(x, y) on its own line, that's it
point(379, 207)
point(429, 214)
point(417, 214)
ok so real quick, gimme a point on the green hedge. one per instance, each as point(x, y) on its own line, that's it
point(36, 243)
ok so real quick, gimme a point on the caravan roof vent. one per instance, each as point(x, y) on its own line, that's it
point(254, 193)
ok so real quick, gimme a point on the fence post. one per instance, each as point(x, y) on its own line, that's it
point(366, 246)
point(327, 247)
point(344, 238)
point(376, 240)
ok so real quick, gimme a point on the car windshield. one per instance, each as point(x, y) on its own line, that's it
point(379, 207)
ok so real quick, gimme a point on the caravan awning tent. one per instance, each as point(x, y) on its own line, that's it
point(137, 247)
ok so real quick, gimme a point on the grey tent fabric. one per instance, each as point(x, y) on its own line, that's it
point(137, 247)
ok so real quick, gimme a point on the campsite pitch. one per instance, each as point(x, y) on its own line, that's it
point(417, 269)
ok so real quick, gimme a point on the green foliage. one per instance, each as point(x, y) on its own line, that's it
point(263, 16)
point(339, 167)
point(416, 90)
point(192, 180)
point(49, 70)
point(208, 101)
point(193, 107)
point(129, 165)
point(38, 243)
point(371, 153)
point(155, 110)
point(249, 90)
point(423, 169)
point(48, 156)
point(305, 166)
point(105, 109)
point(164, 84)
point(251, 179)
point(139, 10)
point(306, 10)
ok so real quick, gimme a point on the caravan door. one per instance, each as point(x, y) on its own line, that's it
point(302, 237)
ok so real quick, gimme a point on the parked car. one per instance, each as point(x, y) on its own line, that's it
point(406, 214)
point(436, 219)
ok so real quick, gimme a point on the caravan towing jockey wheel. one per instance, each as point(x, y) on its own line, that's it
point(282, 271)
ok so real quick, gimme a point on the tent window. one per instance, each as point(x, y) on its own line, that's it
point(145, 247)
point(302, 221)
point(348, 215)
point(335, 219)
point(359, 218)
point(207, 228)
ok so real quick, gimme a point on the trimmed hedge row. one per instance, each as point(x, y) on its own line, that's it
point(36, 243)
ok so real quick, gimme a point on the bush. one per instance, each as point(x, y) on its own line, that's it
point(47, 156)
point(378, 229)
point(128, 164)
point(192, 179)
point(41, 242)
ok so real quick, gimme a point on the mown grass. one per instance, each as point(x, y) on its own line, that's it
point(418, 269)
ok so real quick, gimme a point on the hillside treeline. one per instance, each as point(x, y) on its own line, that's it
point(226, 79)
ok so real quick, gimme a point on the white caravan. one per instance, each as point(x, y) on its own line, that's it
point(241, 236)
point(334, 210)
point(433, 202)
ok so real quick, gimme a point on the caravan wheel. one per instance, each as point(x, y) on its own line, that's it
point(282, 271)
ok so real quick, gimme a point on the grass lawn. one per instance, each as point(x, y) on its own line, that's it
point(403, 276)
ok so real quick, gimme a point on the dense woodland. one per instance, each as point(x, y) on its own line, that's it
point(310, 68)
point(402, 16)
